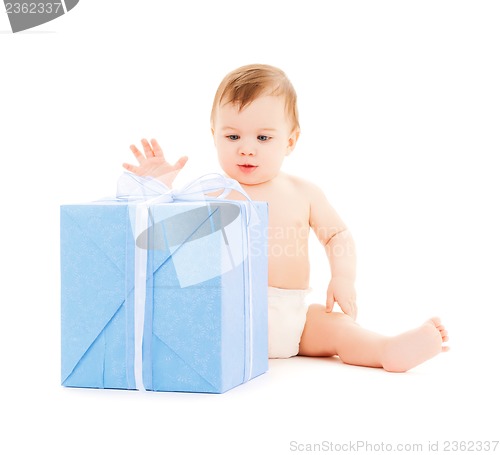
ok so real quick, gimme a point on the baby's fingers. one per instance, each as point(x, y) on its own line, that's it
point(330, 301)
point(354, 311)
point(181, 162)
point(350, 308)
point(148, 150)
point(130, 168)
point(157, 151)
point(139, 156)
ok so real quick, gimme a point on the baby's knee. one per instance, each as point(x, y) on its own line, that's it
point(316, 307)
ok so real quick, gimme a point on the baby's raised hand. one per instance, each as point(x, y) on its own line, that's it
point(341, 290)
point(153, 164)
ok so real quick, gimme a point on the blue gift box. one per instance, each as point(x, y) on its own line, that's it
point(203, 323)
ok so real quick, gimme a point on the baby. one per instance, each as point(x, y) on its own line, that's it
point(255, 126)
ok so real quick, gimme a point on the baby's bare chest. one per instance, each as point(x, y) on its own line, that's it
point(288, 221)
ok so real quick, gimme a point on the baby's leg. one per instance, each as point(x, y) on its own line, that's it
point(328, 334)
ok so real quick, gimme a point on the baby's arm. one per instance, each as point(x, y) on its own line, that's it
point(339, 247)
point(153, 164)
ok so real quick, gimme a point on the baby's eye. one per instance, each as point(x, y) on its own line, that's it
point(233, 137)
point(263, 138)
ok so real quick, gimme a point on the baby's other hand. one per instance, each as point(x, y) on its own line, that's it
point(153, 164)
point(341, 290)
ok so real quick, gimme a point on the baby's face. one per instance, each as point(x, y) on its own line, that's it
point(252, 144)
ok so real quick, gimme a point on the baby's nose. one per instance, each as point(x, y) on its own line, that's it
point(246, 150)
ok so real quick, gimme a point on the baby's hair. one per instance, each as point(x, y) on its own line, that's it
point(247, 83)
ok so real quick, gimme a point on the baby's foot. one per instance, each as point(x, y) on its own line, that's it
point(414, 347)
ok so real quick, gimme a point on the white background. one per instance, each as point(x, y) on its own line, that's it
point(399, 108)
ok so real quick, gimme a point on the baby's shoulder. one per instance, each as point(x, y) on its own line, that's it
point(303, 186)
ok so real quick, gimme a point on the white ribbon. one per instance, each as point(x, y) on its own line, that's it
point(140, 267)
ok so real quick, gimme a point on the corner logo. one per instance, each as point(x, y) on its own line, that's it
point(28, 14)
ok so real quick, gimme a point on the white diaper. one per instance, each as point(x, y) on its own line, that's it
point(287, 317)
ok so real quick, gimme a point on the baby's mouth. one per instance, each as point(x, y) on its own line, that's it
point(247, 167)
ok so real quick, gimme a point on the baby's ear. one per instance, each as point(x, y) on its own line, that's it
point(292, 140)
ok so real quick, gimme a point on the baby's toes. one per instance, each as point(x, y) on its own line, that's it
point(436, 321)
